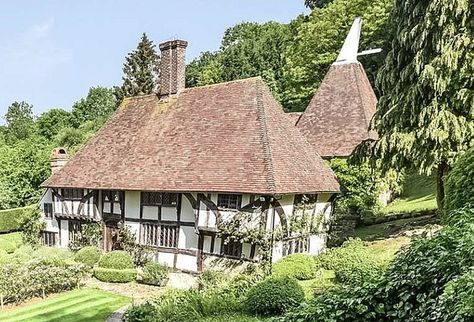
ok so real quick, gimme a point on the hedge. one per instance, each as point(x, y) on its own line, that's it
point(88, 255)
point(117, 259)
point(153, 274)
point(299, 266)
point(111, 275)
point(10, 219)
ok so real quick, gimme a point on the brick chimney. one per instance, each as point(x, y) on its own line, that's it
point(173, 66)
point(58, 159)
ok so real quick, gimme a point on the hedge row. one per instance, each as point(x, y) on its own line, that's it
point(112, 275)
point(10, 219)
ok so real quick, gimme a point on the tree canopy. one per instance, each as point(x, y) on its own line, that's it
point(99, 103)
point(19, 121)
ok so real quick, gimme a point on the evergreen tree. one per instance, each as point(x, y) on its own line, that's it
point(141, 70)
point(425, 115)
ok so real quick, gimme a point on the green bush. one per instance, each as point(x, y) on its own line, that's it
point(274, 296)
point(145, 312)
point(153, 274)
point(116, 259)
point(459, 184)
point(457, 301)
point(10, 219)
point(31, 225)
point(37, 277)
point(89, 255)
point(91, 235)
point(299, 266)
point(112, 275)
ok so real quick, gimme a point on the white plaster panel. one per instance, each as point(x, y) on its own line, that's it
point(187, 211)
point(277, 252)
point(150, 212)
point(245, 200)
point(51, 225)
point(169, 213)
point(217, 245)
point(317, 244)
point(166, 259)
point(286, 203)
point(188, 239)
point(134, 228)
point(186, 262)
point(64, 242)
point(272, 215)
point(132, 204)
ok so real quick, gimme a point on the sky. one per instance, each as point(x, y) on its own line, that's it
point(52, 52)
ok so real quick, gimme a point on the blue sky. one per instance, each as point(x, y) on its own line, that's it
point(51, 52)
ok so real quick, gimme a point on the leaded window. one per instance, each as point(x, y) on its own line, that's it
point(72, 194)
point(232, 248)
point(48, 210)
point(165, 199)
point(159, 235)
point(229, 201)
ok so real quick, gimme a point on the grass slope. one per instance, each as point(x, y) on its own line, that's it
point(418, 193)
point(10, 242)
point(80, 305)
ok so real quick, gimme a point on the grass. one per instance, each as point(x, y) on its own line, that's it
point(91, 305)
point(418, 194)
point(10, 242)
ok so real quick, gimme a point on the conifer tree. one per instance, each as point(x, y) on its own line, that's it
point(141, 70)
point(425, 114)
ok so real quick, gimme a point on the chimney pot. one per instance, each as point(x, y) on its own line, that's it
point(172, 67)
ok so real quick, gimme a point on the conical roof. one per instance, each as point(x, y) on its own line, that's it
point(228, 137)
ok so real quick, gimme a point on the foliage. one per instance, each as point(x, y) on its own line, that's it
point(459, 184)
point(116, 259)
point(457, 301)
point(353, 263)
point(91, 235)
point(141, 70)
point(51, 122)
point(79, 305)
point(153, 274)
point(89, 255)
point(10, 219)
point(319, 39)
point(19, 282)
point(127, 241)
point(316, 3)
point(31, 226)
point(99, 104)
point(19, 121)
point(274, 296)
point(111, 275)
point(10, 242)
point(141, 313)
point(299, 266)
point(424, 116)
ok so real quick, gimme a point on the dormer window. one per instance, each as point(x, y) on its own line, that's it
point(229, 201)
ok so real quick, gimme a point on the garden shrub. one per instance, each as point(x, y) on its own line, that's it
point(274, 296)
point(127, 241)
point(112, 275)
point(31, 225)
point(37, 277)
point(459, 184)
point(91, 235)
point(145, 312)
point(10, 219)
point(457, 301)
point(153, 274)
point(299, 266)
point(116, 259)
point(89, 255)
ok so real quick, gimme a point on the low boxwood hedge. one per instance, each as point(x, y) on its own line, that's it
point(112, 275)
point(117, 259)
point(10, 219)
point(89, 255)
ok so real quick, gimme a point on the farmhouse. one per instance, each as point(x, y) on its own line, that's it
point(184, 166)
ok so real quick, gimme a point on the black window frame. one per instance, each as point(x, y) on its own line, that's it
point(226, 201)
point(231, 248)
point(164, 199)
point(72, 194)
point(48, 210)
point(159, 235)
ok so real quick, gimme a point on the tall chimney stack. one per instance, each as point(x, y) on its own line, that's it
point(173, 66)
point(58, 159)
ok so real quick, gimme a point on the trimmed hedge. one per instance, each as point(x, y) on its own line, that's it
point(112, 275)
point(89, 255)
point(153, 274)
point(274, 296)
point(117, 259)
point(459, 184)
point(299, 266)
point(10, 219)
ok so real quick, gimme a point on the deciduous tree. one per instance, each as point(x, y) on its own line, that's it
point(19, 120)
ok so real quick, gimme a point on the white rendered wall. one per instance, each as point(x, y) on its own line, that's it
point(186, 262)
point(132, 204)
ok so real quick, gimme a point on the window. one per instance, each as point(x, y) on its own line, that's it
point(229, 201)
point(295, 245)
point(48, 210)
point(48, 238)
point(159, 235)
point(72, 194)
point(232, 248)
point(75, 229)
point(164, 199)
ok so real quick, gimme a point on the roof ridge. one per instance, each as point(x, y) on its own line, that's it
point(263, 127)
point(222, 83)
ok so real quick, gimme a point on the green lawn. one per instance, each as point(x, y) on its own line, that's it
point(419, 193)
point(10, 242)
point(85, 305)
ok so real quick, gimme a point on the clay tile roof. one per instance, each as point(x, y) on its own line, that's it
point(229, 137)
point(337, 118)
point(294, 117)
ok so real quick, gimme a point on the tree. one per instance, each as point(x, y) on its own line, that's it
point(312, 4)
point(205, 70)
point(51, 122)
point(99, 104)
point(319, 40)
point(141, 70)
point(19, 120)
point(425, 115)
